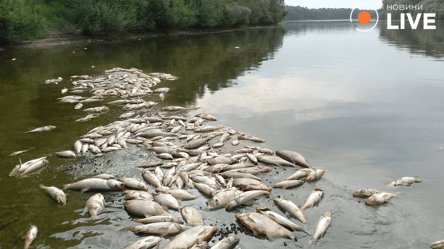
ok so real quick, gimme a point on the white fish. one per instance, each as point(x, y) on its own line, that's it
point(95, 204)
point(30, 236)
point(407, 181)
point(145, 243)
point(380, 198)
point(78, 106)
point(437, 245)
point(56, 193)
point(43, 128)
point(64, 90)
point(321, 226)
point(227, 243)
point(313, 199)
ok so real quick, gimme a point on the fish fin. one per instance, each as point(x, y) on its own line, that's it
point(84, 190)
point(250, 219)
point(85, 210)
point(416, 179)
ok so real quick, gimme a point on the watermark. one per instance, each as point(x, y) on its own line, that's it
point(364, 17)
point(428, 19)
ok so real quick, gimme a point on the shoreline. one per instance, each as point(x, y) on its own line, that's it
point(82, 39)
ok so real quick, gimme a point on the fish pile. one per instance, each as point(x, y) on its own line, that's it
point(187, 159)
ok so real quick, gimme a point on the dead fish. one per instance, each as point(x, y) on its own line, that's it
point(66, 154)
point(43, 128)
point(299, 174)
point(95, 204)
point(87, 118)
point(221, 198)
point(180, 194)
point(235, 142)
point(64, 90)
point(151, 178)
point(95, 184)
point(252, 170)
point(161, 96)
point(191, 216)
point(167, 200)
point(194, 144)
point(55, 193)
point(313, 199)
point(246, 198)
point(251, 138)
point(30, 236)
point(288, 183)
point(321, 227)
point(169, 176)
point(208, 128)
point(380, 198)
point(228, 243)
point(365, 192)
point(221, 160)
point(15, 153)
point(151, 164)
point(138, 195)
point(145, 243)
point(144, 208)
point(205, 189)
point(437, 245)
point(97, 109)
point(94, 149)
point(161, 90)
point(159, 218)
point(104, 176)
point(78, 147)
point(407, 181)
point(28, 167)
point(206, 116)
point(315, 174)
point(200, 245)
point(250, 184)
point(252, 158)
point(191, 236)
point(78, 106)
point(222, 140)
point(281, 220)
point(240, 175)
point(290, 208)
point(160, 228)
point(293, 157)
point(274, 160)
point(261, 224)
point(134, 183)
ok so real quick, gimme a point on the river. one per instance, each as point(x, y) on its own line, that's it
point(367, 107)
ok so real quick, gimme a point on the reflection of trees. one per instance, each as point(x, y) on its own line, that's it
point(428, 42)
point(304, 13)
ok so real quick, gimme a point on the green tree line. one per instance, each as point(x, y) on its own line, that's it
point(28, 19)
point(429, 6)
point(304, 13)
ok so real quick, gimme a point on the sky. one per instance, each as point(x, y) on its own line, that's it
point(315, 4)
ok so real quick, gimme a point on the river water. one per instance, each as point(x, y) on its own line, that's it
point(367, 107)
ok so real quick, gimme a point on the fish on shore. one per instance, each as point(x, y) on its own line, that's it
point(275, 160)
point(251, 138)
point(291, 208)
point(321, 227)
point(191, 236)
point(261, 224)
point(367, 192)
point(43, 128)
point(159, 228)
point(281, 220)
point(293, 157)
point(437, 245)
point(191, 215)
point(94, 205)
point(288, 183)
point(159, 218)
point(144, 208)
point(246, 198)
point(133, 183)
point(55, 193)
point(30, 236)
point(406, 181)
point(65, 154)
point(228, 243)
point(313, 199)
point(379, 198)
point(145, 243)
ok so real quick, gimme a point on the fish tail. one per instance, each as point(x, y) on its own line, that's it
point(416, 179)
point(128, 228)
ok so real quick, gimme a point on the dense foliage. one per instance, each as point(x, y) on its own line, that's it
point(429, 6)
point(25, 19)
point(304, 13)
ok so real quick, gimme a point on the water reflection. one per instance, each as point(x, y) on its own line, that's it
point(418, 41)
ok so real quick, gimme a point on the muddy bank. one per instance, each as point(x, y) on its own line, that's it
point(82, 39)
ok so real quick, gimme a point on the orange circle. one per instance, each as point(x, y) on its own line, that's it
point(364, 17)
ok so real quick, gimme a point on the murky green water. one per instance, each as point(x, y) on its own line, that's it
point(365, 106)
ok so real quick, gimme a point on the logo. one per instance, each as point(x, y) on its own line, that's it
point(428, 18)
point(364, 17)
